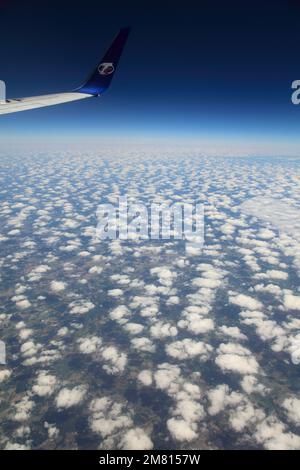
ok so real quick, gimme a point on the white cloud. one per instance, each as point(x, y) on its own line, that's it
point(57, 286)
point(165, 275)
point(23, 409)
point(68, 397)
point(244, 415)
point(235, 358)
point(269, 288)
point(25, 333)
point(52, 430)
point(292, 406)
point(188, 348)
point(181, 430)
point(16, 446)
point(173, 300)
point(145, 377)
point(89, 344)
point(108, 417)
point(95, 270)
point(291, 302)
point(23, 304)
point(273, 435)
point(115, 292)
point(133, 328)
point(217, 398)
point(4, 374)
point(120, 314)
point(143, 344)
point(266, 234)
point(45, 384)
point(115, 361)
point(136, 439)
point(29, 349)
point(162, 329)
point(250, 385)
point(166, 376)
point(241, 414)
point(245, 301)
point(63, 331)
point(80, 306)
point(195, 323)
point(233, 332)
point(206, 282)
point(275, 274)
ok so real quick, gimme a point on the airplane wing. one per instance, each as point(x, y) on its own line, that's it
point(23, 104)
point(95, 85)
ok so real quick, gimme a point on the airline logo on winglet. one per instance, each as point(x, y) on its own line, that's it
point(106, 68)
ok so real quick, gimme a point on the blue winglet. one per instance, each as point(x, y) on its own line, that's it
point(100, 79)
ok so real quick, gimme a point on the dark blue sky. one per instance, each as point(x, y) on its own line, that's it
point(213, 69)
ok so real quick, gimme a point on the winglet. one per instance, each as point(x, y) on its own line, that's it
point(100, 79)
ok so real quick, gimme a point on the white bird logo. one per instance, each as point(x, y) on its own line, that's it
point(106, 68)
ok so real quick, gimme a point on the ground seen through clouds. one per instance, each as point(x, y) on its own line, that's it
point(145, 344)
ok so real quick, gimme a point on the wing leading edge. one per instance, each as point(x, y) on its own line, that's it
point(96, 84)
point(23, 104)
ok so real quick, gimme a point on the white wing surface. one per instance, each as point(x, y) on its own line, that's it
point(23, 104)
